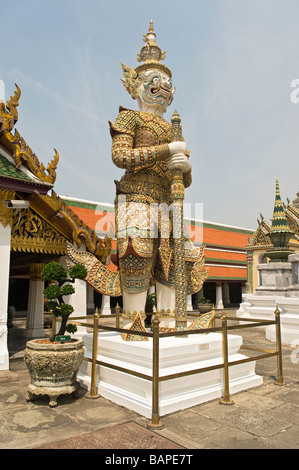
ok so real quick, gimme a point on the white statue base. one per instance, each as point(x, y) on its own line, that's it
point(262, 307)
point(176, 355)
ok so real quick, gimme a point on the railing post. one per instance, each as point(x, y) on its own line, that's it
point(226, 397)
point(117, 313)
point(155, 422)
point(278, 347)
point(93, 385)
point(214, 317)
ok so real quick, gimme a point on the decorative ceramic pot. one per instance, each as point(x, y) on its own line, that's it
point(204, 308)
point(53, 367)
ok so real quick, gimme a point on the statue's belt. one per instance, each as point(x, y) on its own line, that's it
point(161, 181)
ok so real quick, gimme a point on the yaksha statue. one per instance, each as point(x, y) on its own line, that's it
point(142, 145)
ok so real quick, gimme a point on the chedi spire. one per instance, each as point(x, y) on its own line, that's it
point(279, 221)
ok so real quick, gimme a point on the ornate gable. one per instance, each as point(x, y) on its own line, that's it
point(31, 233)
point(49, 222)
point(22, 153)
point(260, 237)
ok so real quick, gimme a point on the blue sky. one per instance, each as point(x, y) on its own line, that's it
point(232, 61)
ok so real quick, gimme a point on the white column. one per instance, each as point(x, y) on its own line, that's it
point(78, 300)
point(226, 297)
point(244, 289)
point(219, 301)
point(189, 303)
point(5, 233)
point(105, 307)
point(90, 298)
point(35, 308)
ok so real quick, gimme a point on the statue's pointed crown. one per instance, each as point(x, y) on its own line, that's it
point(150, 57)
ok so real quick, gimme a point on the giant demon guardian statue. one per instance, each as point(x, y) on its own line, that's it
point(143, 145)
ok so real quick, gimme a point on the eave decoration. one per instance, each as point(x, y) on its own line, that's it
point(31, 233)
point(101, 249)
point(49, 223)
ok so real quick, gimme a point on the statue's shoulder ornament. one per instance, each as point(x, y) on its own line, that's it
point(125, 122)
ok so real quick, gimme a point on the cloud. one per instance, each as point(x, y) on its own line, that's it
point(52, 94)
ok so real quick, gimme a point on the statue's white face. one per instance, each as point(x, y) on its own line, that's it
point(155, 90)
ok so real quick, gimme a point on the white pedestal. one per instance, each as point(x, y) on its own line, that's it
point(176, 355)
point(262, 307)
point(105, 308)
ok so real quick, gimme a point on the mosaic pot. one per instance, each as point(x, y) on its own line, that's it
point(204, 308)
point(53, 368)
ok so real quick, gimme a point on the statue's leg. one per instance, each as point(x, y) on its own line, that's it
point(165, 297)
point(133, 303)
point(165, 304)
point(135, 273)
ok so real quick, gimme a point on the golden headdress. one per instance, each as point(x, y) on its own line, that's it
point(150, 55)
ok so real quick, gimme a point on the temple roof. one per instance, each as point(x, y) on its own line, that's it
point(8, 170)
point(17, 146)
point(285, 219)
point(49, 222)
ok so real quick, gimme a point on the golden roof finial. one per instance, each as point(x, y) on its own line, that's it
point(10, 112)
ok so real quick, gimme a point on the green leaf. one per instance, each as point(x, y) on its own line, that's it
point(66, 309)
point(71, 328)
point(53, 272)
point(67, 289)
point(78, 271)
point(52, 292)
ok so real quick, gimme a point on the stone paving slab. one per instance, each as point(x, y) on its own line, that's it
point(264, 417)
point(124, 436)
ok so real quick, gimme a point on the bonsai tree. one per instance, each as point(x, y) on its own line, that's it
point(55, 293)
point(149, 307)
point(150, 302)
point(203, 300)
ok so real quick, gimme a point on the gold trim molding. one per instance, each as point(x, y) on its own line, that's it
point(6, 214)
point(36, 270)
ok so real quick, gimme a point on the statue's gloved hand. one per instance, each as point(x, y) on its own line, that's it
point(177, 148)
point(179, 161)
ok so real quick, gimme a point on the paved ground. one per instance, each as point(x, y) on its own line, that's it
point(266, 417)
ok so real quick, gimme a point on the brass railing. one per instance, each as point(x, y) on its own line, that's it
point(155, 378)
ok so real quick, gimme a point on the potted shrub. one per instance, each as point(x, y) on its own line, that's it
point(53, 362)
point(204, 305)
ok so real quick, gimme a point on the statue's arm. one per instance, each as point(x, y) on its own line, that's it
point(125, 156)
point(187, 179)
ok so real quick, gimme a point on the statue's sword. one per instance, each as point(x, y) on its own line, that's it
point(177, 196)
